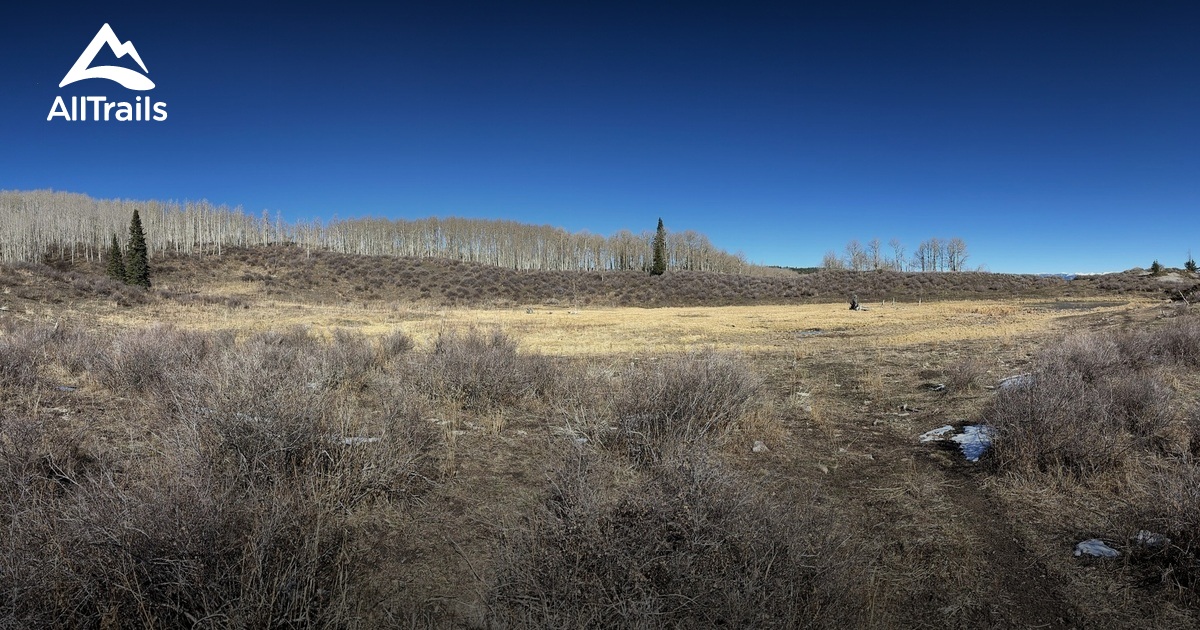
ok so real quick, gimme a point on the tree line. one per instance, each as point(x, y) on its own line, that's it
point(932, 254)
point(76, 226)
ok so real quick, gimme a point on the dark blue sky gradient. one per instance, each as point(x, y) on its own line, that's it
point(1051, 136)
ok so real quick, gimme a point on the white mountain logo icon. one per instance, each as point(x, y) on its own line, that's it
point(126, 77)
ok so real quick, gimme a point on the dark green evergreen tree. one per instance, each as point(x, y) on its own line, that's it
point(1156, 269)
point(660, 251)
point(137, 264)
point(1190, 265)
point(116, 262)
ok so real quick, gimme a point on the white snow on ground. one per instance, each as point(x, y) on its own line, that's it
point(936, 434)
point(974, 440)
point(1096, 547)
point(1020, 380)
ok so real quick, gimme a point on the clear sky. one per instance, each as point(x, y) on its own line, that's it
point(1051, 136)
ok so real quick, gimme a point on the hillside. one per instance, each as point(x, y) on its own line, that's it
point(244, 274)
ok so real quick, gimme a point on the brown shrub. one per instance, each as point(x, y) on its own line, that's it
point(21, 354)
point(687, 545)
point(256, 507)
point(1085, 409)
point(151, 359)
point(966, 374)
point(680, 402)
point(481, 371)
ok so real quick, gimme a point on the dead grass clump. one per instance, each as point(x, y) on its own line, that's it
point(966, 374)
point(686, 545)
point(681, 402)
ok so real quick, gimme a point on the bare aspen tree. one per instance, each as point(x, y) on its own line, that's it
point(956, 254)
point(832, 261)
point(897, 262)
point(874, 254)
point(856, 257)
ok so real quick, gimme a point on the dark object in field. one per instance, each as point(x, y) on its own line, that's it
point(854, 305)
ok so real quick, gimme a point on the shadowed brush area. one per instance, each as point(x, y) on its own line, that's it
point(205, 479)
point(683, 544)
point(241, 498)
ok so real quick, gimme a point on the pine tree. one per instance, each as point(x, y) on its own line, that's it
point(1190, 265)
point(1156, 269)
point(660, 251)
point(116, 262)
point(137, 265)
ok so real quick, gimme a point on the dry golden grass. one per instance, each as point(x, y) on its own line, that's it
point(806, 330)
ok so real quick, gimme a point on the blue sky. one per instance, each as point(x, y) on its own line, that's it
point(1050, 136)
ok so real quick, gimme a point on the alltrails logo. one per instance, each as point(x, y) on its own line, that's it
point(142, 108)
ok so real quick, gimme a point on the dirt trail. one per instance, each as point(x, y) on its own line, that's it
point(947, 554)
point(1034, 599)
point(1003, 584)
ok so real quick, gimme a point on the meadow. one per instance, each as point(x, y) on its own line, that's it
point(220, 452)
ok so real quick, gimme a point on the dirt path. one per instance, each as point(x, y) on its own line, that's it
point(1032, 597)
point(968, 560)
point(946, 554)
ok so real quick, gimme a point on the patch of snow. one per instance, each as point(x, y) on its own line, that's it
point(936, 434)
point(1017, 380)
point(974, 441)
point(1147, 538)
point(1095, 547)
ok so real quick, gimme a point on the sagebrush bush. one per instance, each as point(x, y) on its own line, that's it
point(257, 505)
point(1091, 404)
point(680, 401)
point(1180, 341)
point(1170, 507)
point(1055, 422)
point(480, 371)
point(394, 345)
point(687, 545)
point(151, 359)
point(21, 355)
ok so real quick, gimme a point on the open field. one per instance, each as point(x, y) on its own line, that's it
point(550, 466)
point(587, 331)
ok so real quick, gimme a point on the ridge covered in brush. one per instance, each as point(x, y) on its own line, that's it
point(290, 273)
